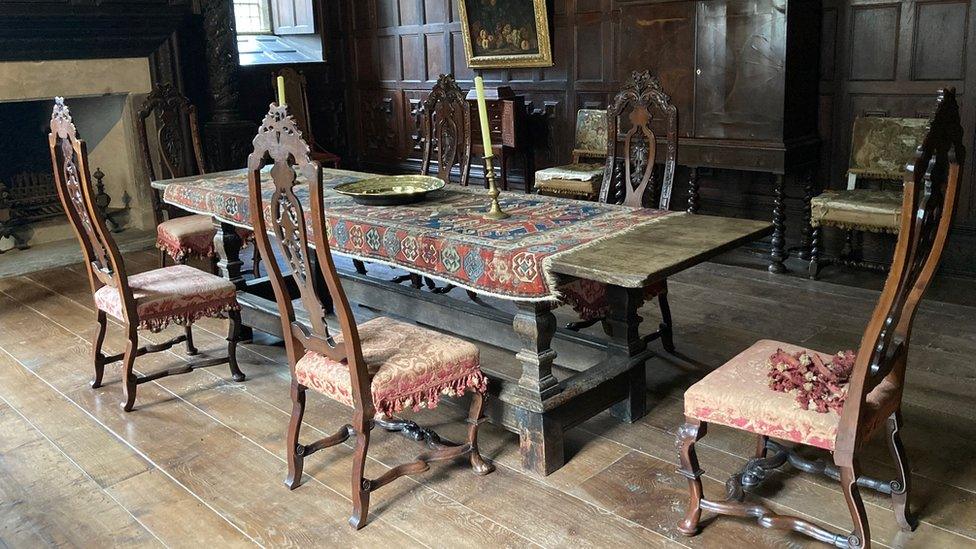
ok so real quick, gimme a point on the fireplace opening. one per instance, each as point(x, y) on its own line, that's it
point(30, 210)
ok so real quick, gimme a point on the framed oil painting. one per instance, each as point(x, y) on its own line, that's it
point(505, 33)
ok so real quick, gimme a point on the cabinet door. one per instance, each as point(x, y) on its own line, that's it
point(741, 69)
point(293, 16)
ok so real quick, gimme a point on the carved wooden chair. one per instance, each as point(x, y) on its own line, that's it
point(880, 149)
point(151, 300)
point(378, 367)
point(296, 96)
point(632, 178)
point(580, 179)
point(446, 126)
point(169, 138)
point(738, 394)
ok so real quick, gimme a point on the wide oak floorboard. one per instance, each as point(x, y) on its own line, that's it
point(201, 459)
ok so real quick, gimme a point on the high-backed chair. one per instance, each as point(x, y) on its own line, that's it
point(446, 127)
point(378, 367)
point(151, 300)
point(296, 96)
point(738, 394)
point(880, 149)
point(631, 177)
point(169, 138)
point(580, 179)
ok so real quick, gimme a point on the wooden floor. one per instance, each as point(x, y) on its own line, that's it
point(200, 460)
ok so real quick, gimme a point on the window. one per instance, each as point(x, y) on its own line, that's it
point(277, 31)
point(252, 16)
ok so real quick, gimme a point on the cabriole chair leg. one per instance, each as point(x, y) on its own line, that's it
point(475, 419)
point(360, 484)
point(295, 452)
point(690, 433)
point(98, 359)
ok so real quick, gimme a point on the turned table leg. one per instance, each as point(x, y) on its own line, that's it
point(778, 254)
point(807, 234)
point(625, 343)
point(540, 437)
point(227, 244)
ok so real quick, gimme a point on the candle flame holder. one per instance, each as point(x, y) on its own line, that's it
point(495, 211)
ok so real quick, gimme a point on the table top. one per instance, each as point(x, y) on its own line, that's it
point(446, 236)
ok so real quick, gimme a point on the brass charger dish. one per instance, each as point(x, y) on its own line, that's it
point(390, 190)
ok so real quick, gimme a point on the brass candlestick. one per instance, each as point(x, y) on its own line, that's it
point(495, 211)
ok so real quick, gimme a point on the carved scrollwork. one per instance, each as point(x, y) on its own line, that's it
point(64, 138)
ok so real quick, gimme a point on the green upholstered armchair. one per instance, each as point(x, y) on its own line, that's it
point(580, 179)
point(880, 149)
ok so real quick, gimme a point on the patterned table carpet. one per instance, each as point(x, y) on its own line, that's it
point(446, 236)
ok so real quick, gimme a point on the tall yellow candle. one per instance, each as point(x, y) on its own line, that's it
point(479, 88)
point(281, 91)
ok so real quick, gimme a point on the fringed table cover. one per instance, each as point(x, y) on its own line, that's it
point(445, 237)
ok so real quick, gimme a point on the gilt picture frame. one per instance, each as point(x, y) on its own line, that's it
point(505, 33)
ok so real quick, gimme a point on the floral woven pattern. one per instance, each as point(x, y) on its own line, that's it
point(737, 394)
point(410, 367)
point(446, 236)
point(173, 295)
point(190, 236)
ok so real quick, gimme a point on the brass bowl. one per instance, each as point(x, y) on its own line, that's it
point(390, 190)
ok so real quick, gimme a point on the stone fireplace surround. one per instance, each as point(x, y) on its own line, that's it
point(108, 125)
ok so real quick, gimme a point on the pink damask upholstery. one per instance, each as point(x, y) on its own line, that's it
point(190, 236)
point(172, 295)
point(738, 395)
point(410, 367)
point(589, 299)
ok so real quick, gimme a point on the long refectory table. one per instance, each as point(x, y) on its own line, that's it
point(515, 266)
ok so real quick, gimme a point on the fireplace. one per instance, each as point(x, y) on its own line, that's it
point(103, 95)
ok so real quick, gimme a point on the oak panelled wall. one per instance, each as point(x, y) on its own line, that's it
point(887, 58)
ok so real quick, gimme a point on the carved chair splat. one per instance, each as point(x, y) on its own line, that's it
point(169, 139)
point(877, 381)
point(150, 300)
point(633, 185)
point(370, 366)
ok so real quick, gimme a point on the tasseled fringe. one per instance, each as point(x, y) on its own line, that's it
point(817, 385)
point(179, 255)
point(429, 398)
point(186, 318)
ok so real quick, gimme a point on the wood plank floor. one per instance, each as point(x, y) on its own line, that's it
point(200, 462)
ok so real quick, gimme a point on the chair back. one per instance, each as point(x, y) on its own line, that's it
point(931, 185)
point(173, 147)
point(296, 97)
point(302, 241)
point(446, 125)
point(69, 157)
point(881, 146)
point(629, 120)
point(591, 133)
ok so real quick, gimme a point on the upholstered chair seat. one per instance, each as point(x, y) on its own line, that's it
point(172, 295)
point(738, 395)
point(409, 367)
point(858, 209)
point(589, 299)
point(578, 180)
point(190, 236)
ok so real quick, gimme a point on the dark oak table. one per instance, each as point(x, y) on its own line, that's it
point(530, 396)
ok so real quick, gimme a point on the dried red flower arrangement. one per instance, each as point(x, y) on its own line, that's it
point(818, 385)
